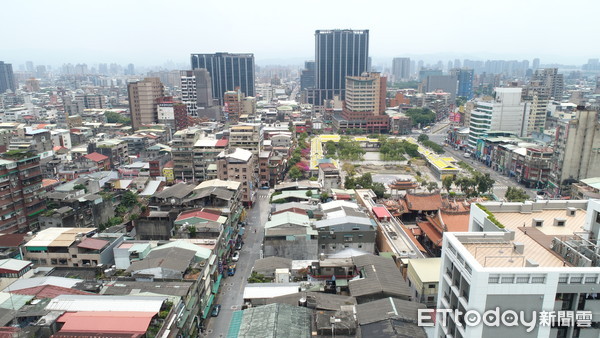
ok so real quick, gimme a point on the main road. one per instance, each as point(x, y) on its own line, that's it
point(438, 135)
point(232, 288)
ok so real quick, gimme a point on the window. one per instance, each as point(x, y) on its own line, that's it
point(431, 286)
point(430, 299)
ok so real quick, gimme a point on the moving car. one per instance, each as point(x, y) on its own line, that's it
point(216, 310)
point(236, 256)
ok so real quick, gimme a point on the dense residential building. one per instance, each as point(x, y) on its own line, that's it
point(206, 151)
point(116, 150)
point(74, 247)
point(503, 262)
point(142, 101)
point(401, 69)
point(197, 95)
point(364, 106)
point(21, 188)
point(506, 112)
point(239, 165)
point(538, 113)
point(182, 153)
point(227, 72)
point(247, 136)
point(7, 79)
point(173, 114)
point(576, 149)
point(547, 83)
point(338, 53)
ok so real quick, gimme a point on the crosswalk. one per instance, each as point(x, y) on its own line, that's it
point(500, 187)
point(263, 196)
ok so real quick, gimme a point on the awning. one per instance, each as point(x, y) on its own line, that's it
point(217, 284)
point(208, 306)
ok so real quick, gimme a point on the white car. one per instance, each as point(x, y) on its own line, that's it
point(236, 256)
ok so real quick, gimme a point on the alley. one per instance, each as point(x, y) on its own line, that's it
point(232, 288)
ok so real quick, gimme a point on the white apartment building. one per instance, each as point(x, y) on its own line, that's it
point(506, 112)
point(532, 256)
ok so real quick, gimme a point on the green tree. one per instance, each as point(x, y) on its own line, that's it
point(365, 181)
point(484, 183)
point(447, 183)
point(256, 277)
point(514, 194)
point(431, 186)
point(422, 138)
point(80, 187)
point(113, 117)
point(349, 168)
point(309, 193)
point(324, 196)
point(379, 189)
point(129, 199)
point(295, 173)
point(349, 182)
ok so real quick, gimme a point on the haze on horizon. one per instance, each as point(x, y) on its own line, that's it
point(153, 32)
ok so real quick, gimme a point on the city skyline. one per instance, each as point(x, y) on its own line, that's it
point(121, 35)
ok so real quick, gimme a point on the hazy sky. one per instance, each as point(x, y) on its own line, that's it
point(150, 32)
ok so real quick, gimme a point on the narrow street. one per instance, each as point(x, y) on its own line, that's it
point(232, 288)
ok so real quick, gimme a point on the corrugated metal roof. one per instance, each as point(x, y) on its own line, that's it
point(74, 303)
point(288, 218)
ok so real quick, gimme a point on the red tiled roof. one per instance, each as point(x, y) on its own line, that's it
point(327, 165)
point(294, 210)
point(93, 244)
point(11, 240)
point(412, 238)
point(456, 222)
point(96, 157)
point(424, 202)
point(200, 214)
point(49, 291)
point(48, 181)
point(431, 232)
point(222, 143)
point(107, 322)
point(381, 212)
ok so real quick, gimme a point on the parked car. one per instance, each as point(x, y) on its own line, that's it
point(216, 310)
point(239, 245)
point(236, 256)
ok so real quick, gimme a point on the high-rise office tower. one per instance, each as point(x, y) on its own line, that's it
point(143, 97)
point(536, 64)
point(307, 78)
point(465, 82)
point(339, 53)
point(401, 69)
point(447, 83)
point(7, 80)
point(227, 72)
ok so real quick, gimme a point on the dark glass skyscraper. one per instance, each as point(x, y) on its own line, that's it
point(7, 80)
point(227, 71)
point(465, 83)
point(339, 53)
